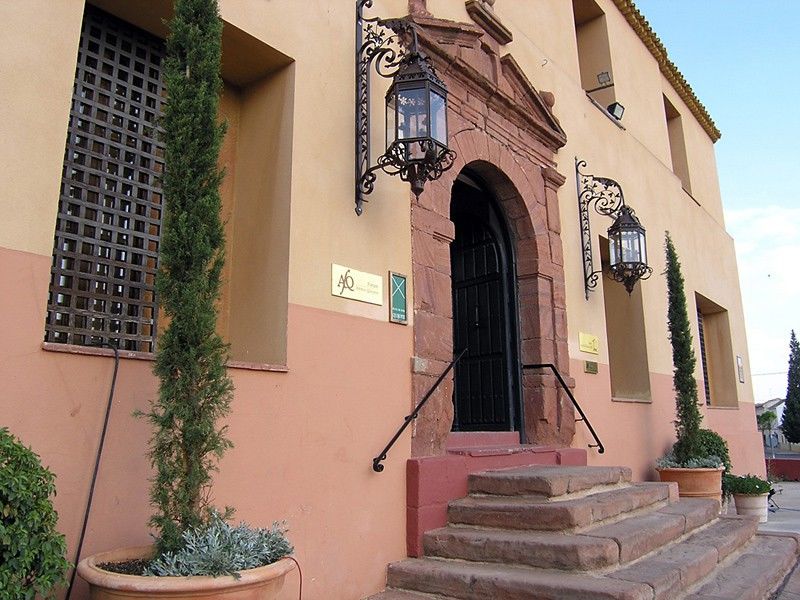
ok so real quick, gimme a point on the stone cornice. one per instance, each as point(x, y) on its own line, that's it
point(642, 28)
point(526, 108)
point(484, 16)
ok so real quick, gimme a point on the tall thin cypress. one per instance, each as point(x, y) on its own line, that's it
point(195, 390)
point(790, 423)
point(687, 423)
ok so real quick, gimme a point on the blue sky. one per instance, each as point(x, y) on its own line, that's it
point(742, 58)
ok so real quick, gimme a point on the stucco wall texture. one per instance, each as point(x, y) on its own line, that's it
point(305, 432)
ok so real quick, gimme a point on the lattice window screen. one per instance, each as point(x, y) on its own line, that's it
point(109, 218)
point(701, 331)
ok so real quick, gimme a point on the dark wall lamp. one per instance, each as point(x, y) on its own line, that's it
point(416, 106)
point(615, 109)
point(627, 244)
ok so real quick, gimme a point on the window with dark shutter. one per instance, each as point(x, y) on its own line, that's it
point(701, 334)
point(105, 252)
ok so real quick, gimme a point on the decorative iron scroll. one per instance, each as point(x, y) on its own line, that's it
point(377, 41)
point(388, 43)
point(609, 200)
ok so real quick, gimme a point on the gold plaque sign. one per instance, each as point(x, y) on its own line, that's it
point(356, 285)
point(589, 343)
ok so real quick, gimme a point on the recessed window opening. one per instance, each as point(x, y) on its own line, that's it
point(626, 337)
point(104, 261)
point(716, 353)
point(594, 54)
point(677, 144)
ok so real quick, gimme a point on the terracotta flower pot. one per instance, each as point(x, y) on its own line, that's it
point(755, 505)
point(262, 583)
point(695, 483)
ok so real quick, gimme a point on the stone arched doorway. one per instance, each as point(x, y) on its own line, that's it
point(505, 133)
point(486, 390)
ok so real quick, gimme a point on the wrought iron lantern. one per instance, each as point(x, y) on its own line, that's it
point(416, 106)
point(628, 249)
point(627, 243)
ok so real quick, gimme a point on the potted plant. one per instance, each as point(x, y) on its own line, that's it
point(750, 495)
point(196, 551)
point(689, 463)
point(32, 552)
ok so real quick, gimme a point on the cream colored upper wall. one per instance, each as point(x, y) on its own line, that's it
point(638, 157)
point(319, 36)
point(37, 70)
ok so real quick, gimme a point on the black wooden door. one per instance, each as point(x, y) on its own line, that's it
point(484, 381)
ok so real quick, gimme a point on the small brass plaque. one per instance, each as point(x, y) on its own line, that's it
point(589, 343)
point(590, 366)
point(356, 285)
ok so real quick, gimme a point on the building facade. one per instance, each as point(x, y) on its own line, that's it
point(493, 252)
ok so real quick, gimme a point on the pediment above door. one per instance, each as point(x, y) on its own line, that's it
point(489, 84)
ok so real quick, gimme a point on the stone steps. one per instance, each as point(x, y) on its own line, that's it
point(755, 571)
point(535, 512)
point(545, 481)
point(597, 548)
point(588, 533)
point(481, 581)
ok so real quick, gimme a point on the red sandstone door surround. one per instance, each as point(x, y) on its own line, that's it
point(504, 131)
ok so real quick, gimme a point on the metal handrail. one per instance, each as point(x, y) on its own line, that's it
point(376, 462)
point(599, 445)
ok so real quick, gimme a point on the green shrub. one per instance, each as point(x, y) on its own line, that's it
point(746, 484)
point(222, 549)
point(32, 552)
point(713, 444)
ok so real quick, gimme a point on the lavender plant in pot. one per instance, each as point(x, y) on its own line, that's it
point(197, 552)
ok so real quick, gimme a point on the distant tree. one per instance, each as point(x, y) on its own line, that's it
point(791, 414)
point(766, 420)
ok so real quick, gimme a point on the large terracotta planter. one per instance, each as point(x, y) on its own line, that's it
point(755, 505)
point(695, 483)
point(262, 583)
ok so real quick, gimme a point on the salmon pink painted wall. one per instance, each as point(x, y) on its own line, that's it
point(304, 440)
point(635, 434)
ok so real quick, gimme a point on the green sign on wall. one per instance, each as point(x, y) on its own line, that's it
point(398, 304)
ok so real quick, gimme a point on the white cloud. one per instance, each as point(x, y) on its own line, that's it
point(768, 253)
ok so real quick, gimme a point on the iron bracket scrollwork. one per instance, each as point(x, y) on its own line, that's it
point(391, 45)
point(608, 199)
point(379, 42)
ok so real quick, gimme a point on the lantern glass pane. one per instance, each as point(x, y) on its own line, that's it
point(630, 246)
point(643, 247)
point(438, 118)
point(412, 113)
point(391, 120)
point(613, 248)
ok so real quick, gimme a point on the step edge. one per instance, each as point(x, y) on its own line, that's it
point(729, 560)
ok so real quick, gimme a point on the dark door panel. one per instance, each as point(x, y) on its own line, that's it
point(485, 390)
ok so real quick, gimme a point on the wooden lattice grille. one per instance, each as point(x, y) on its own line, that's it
point(109, 216)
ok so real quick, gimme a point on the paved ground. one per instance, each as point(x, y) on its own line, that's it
point(787, 516)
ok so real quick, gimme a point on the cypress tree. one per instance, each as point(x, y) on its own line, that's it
point(687, 424)
point(791, 412)
point(195, 390)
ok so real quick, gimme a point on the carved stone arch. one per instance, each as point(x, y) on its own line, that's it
point(505, 131)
